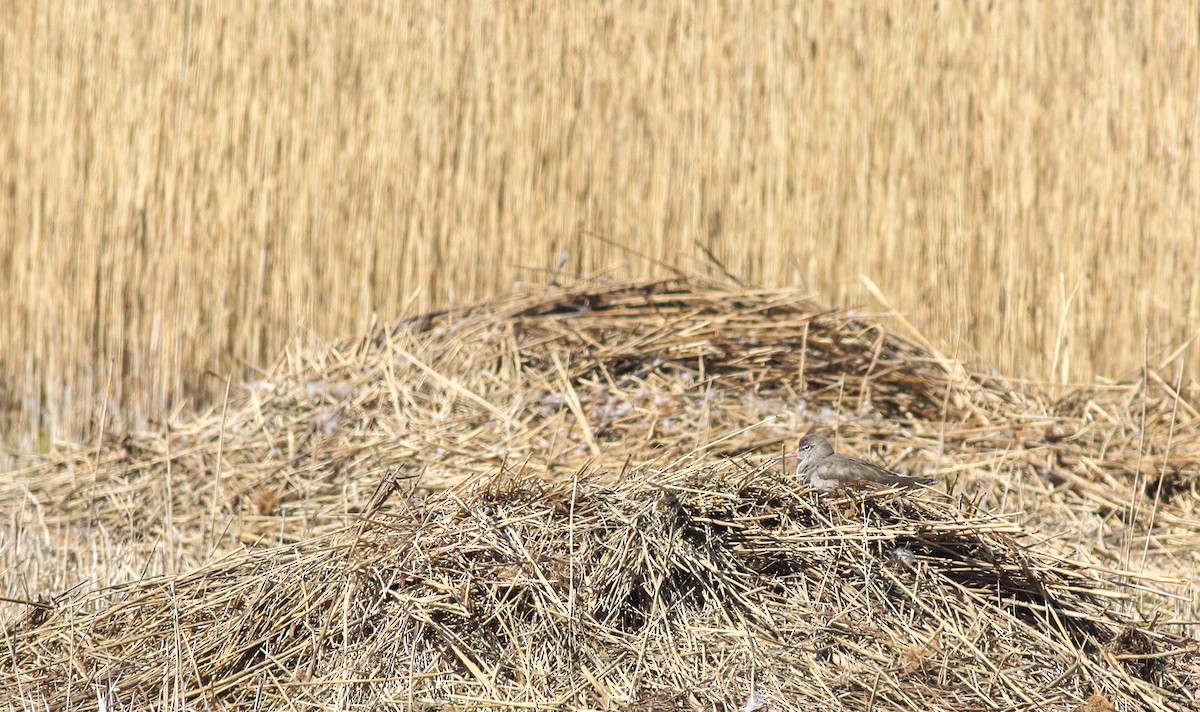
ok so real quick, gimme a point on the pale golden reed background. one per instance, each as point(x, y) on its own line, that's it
point(184, 186)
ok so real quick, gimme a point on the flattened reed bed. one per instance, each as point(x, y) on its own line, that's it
point(636, 537)
point(608, 373)
point(700, 588)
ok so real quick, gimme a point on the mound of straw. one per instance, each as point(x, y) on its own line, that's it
point(633, 551)
point(715, 588)
point(606, 373)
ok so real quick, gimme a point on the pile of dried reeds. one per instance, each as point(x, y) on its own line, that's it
point(670, 379)
point(714, 587)
point(604, 373)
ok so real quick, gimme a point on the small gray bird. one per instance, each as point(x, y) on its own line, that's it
point(825, 470)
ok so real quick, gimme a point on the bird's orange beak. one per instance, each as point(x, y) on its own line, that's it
point(790, 455)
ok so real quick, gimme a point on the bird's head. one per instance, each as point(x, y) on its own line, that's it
point(812, 447)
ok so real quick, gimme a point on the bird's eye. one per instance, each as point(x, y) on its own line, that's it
point(807, 447)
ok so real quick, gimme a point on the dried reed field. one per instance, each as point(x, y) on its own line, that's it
point(187, 184)
point(567, 498)
point(441, 355)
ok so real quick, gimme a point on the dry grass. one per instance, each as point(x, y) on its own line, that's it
point(704, 589)
point(596, 523)
point(186, 184)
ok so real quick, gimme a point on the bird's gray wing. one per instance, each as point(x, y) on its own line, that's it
point(875, 473)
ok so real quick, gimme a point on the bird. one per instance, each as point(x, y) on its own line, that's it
point(824, 470)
